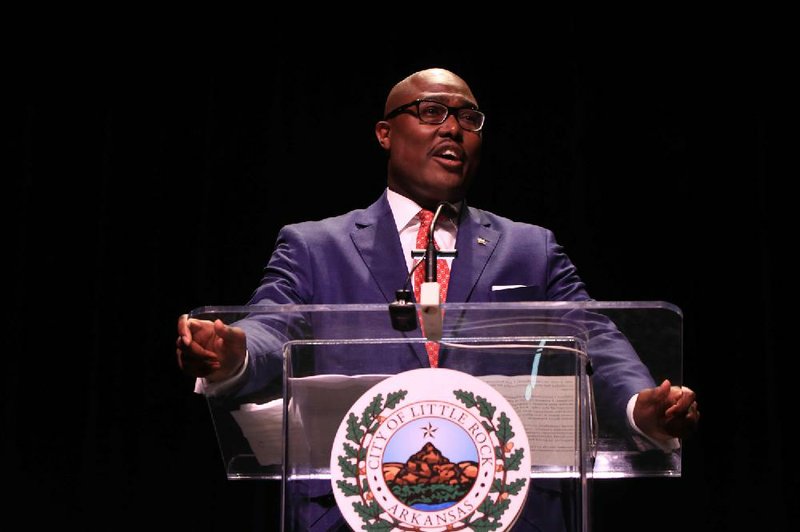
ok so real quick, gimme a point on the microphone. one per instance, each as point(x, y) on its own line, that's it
point(403, 312)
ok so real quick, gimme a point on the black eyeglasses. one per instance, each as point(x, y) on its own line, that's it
point(431, 112)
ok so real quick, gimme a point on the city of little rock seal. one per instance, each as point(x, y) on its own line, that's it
point(429, 450)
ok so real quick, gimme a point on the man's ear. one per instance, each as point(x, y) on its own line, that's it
point(382, 130)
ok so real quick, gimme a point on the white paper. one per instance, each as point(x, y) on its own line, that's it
point(323, 402)
point(549, 416)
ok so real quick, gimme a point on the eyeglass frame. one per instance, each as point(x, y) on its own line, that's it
point(451, 111)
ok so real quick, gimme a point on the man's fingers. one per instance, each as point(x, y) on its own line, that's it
point(197, 360)
point(694, 411)
point(686, 406)
point(684, 424)
point(200, 344)
point(183, 329)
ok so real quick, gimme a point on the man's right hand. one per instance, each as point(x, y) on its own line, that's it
point(209, 349)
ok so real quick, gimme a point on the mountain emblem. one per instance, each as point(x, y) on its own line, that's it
point(388, 474)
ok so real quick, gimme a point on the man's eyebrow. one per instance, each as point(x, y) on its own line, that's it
point(442, 98)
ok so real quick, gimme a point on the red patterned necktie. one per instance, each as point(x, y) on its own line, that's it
point(442, 276)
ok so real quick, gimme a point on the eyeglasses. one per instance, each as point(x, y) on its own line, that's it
point(431, 112)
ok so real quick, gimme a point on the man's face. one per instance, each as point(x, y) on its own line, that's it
point(430, 163)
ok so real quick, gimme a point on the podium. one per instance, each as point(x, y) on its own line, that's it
point(565, 368)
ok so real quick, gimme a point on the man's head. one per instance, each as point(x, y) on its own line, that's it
point(431, 162)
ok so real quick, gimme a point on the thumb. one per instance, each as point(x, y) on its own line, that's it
point(222, 330)
point(229, 336)
point(662, 390)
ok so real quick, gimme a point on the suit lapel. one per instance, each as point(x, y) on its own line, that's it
point(375, 236)
point(475, 243)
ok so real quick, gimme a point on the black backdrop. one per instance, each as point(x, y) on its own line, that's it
point(149, 180)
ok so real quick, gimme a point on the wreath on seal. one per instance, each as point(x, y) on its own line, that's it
point(492, 508)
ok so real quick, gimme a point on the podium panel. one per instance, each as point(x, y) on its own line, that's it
point(555, 363)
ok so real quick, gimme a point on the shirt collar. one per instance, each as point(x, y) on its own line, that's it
point(405, 209)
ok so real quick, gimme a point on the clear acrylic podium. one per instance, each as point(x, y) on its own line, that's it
point(537, 355)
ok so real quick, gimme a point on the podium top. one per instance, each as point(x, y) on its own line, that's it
point(517, 305)
point(460, 320)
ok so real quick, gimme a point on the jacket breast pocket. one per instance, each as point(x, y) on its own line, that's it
point(512, 293)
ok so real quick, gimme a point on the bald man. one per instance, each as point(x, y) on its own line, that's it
point(432, 134)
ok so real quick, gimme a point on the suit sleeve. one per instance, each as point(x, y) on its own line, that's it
point(286, 281)
point(619, 373)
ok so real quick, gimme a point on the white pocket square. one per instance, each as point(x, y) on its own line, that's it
point(497, 287)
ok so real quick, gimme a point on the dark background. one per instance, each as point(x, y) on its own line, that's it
point(148, 179)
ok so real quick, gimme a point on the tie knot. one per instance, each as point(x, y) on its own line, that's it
point(425, 217)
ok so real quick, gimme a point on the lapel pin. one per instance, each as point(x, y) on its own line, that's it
point(482, 241)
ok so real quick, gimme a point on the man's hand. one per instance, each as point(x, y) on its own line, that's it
point(209, 349)
point(666, 412)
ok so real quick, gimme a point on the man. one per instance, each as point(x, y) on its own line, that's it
point(432, 134)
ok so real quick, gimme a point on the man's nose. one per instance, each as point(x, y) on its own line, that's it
point(451, 126)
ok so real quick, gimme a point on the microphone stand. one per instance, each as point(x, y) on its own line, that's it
point(402, 311)
point(430, 293)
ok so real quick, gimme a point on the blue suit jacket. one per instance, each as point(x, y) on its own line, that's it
point(357, 258)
